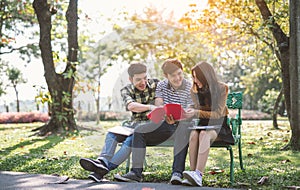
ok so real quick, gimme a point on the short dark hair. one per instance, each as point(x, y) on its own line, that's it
point(171, 65)
point(136, 68)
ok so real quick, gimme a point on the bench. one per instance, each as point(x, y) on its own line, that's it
point(234, 101)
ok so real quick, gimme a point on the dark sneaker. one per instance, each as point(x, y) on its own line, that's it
point(193, 177)
point(93, 166)
point(95, 177)
point(129, 177)
point(176, 179)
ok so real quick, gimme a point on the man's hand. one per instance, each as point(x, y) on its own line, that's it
point(170, 120)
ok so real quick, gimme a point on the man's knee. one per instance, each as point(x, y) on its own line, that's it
point(111, 135)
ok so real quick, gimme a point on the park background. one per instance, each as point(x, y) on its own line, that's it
point(257, 77)
point(240, 44)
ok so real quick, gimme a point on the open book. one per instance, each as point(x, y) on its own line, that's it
point(122, 130)
point(206, 127)
point(158, 114)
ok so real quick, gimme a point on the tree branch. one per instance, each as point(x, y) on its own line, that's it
point(280, 36)
point(19, 48)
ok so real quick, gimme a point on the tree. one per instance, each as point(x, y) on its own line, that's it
point(283, 54)
point(234, 26)
point(97, 61)
point(15, 77)
point(15, 16)
point(60, 85)
point(152, 42)
point(295, 73)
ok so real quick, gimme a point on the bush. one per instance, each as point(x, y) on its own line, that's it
point(29, 117)
point(23, 117)
point(251, 115)
point(104, 116)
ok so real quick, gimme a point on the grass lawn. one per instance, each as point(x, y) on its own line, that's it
point(60, 155)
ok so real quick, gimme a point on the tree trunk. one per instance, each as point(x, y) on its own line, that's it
point(97, 98)
point(275, 109)
point(283, 54)
point(295, 73)
point(59, 86)
point(98, 91)
point(97, 110)
point(17, 96)
point(282, 110)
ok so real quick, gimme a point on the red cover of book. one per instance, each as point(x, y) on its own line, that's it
point(158, 114)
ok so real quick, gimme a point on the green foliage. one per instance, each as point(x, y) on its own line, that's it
point(59, 34)
point(242, 43)
point(43, 96)
point(2, 75)
point(152, 43)
point(66, 97)
point(15, 16)
point(266, 103)
point(61, 116)
point(57, 154)
point(15, 76)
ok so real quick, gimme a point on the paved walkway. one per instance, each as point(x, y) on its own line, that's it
point(18, 180)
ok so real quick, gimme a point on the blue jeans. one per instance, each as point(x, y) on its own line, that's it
point(154, 134)
point(108, 155)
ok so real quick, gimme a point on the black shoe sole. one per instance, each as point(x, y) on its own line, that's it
point(95, 179)
point(124, 179)
point(89, 165)
point(176, 182)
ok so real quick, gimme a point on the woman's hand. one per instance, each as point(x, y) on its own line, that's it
point(170, 120)
point(190, 112)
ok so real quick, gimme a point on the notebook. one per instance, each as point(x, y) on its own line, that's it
point(206, 127)
point(121, 130)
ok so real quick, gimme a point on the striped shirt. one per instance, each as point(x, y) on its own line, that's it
point(130, 94)
point(182, 95)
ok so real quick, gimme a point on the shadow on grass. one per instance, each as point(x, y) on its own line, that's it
point(10, 126)
point(8, 150)
point(34, 160)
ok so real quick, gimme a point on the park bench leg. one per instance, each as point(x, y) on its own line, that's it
point(128, 164)
point(231, 165)
point(240, 155)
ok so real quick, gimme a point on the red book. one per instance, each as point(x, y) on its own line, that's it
point(158, 114)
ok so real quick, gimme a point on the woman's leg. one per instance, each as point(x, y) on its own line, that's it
point(193, 148)
point(205, 140)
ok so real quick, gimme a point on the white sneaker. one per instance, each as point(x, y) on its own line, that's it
point(176, 179)
point(193, 177)
point(186, 182)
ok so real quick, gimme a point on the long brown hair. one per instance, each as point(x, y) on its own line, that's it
point(210, 92)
